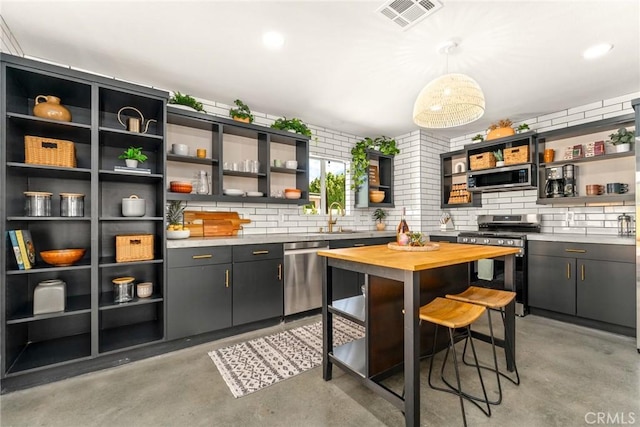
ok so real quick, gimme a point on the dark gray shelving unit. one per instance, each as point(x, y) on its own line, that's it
point(263, 140)
point(88, 326)
point(384, 163)
point(453, 174)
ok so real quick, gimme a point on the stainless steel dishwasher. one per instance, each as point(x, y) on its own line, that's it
point(303, 276)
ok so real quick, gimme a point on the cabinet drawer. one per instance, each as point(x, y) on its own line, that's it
point(621, 253)
point(243, 253)
point(349, 243)
point(208, 255)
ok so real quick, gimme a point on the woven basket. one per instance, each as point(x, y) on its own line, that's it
point(49, 151)
point(134, 247)
point(482, 161)
point(516, 155)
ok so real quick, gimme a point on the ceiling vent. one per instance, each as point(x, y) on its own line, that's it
point(407, 13)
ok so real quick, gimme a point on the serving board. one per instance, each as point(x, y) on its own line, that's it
point(426, 248)
point(212, 224)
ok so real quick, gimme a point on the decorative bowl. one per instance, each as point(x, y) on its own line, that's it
point(144, 289)
point(180, 186)
point(178, 234)
point(376, 196)
point(292, 193)
point(291, 164)
point(62, 257)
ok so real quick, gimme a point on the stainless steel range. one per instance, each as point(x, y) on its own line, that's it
point(502, 230)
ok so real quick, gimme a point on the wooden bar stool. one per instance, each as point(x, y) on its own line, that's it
point(453, 315)
point(492, 299)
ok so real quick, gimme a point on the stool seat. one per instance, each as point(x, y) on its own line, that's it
point(490, 298)
point(450, 313)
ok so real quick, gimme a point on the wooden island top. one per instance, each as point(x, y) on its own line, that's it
point(448, 254)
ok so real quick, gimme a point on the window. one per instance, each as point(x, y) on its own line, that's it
point(326, 184)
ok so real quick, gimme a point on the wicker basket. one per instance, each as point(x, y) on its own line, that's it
point(49, 151)
point(516, 155)
point(134, 247)
point(482, 161)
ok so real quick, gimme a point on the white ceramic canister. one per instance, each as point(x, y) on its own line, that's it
point(37, 203)
point(71, 204)
point(133, 206)
point(49, 297)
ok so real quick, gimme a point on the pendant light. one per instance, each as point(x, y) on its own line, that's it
point(450, 100)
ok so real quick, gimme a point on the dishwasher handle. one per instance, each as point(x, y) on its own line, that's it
point(303, 251)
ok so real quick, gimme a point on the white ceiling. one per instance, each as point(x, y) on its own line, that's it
point(343, 66)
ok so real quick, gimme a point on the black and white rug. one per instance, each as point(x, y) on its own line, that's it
point(253, 365)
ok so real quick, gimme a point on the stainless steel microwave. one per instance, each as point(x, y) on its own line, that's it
point(506, 178)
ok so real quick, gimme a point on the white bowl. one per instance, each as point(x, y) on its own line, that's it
point(144, 289)
point(291, 164)
point(180, 149)
point(178, 234)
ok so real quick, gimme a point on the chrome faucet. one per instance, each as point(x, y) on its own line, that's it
point(332, 220)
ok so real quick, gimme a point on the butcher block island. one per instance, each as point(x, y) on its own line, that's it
point(399, 282)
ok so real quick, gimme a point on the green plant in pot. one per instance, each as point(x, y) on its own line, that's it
point(499, 158)
point(360, 160)
point(522, 128)
point(622, 139)
point(293, 124)
point(379, 215)
point(242, 113)
point(187, 100)
point(132, 156)
point(478, 138)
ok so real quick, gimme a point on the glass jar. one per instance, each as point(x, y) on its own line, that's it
point(37, 203)
point(71, 204)
point(122, 289)
point(202, 183)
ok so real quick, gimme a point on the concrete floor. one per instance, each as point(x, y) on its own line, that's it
point(569, 375)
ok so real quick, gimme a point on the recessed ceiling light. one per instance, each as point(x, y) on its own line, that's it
point(273, 40)
point(597, 50)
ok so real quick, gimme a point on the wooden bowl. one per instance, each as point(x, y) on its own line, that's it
point(180, 186)
point(62, 257)
point(292, 193)
point(376, 196)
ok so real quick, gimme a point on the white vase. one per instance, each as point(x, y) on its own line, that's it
point(622, 148)
point(500, 163)
point(131, 163)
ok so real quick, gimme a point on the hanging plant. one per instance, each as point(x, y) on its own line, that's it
point(360, 161)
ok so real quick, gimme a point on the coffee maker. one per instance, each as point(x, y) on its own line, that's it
point(555, 182)
point(569, 173)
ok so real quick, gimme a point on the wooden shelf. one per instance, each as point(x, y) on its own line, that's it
point(45, 171)
point(586, 200)
point(43, 268)
point(191, 159)
point(590, 159)
point(108, 262)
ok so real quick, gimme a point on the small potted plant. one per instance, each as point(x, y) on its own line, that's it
point(132, 156)
point(478, 138)
point(294, 124)
point(379, 215)
point(501, 129)
point(242, 113)
point(175, 213)
point(622, 139)
point(186, 100)
point(499, 159)
point(522, 128)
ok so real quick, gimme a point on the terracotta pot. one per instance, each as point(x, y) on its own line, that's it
point(48, 107)
point(243, 120)
point(500, 133)
point(380, 226)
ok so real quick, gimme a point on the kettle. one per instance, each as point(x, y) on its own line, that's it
point(135, 124)
point(625, 225)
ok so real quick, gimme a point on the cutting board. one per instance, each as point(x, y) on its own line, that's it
point(211, 224)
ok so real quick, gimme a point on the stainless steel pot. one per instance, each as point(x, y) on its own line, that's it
point(37, 203)
point(133, 206)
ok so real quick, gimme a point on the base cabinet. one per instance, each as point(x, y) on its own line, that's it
point(199, 291)
point(590, 281)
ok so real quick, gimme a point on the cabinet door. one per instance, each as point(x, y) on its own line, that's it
point(606, 291)
point(198, 300)
point(552, 283)
point(257, 290)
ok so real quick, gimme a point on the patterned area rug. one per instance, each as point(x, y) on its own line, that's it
point(253, 365)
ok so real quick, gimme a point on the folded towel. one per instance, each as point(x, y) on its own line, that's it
point(485, 269)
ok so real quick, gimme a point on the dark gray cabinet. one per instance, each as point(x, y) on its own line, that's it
point(383, 164)
point(257, 282)
point(591, 281)
point(349, 283)
point(198, 291)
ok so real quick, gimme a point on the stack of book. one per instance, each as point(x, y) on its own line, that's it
point(132, 170)
point(23, 248)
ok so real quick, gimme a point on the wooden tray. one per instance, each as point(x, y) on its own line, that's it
point(426, 248)
point(211, 224)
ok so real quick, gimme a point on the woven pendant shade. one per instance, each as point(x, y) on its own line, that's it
point(448, 101)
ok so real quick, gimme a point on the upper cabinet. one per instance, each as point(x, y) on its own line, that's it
point(377, 188)
point(454, 192)
point(594, 161)
point(243, 162)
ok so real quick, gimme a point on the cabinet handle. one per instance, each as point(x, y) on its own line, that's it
point(260, 252)
point(202, 256)
point(579, 251)
point(226, 278)
point(568, 271)
point(358, 244)
point(279, 271)
point(582, 271)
